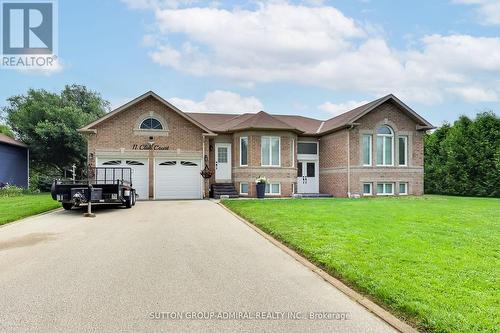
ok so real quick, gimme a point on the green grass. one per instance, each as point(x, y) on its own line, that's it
point(15, 208)
point(432, 260)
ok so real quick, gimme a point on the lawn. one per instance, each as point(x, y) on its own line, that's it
point(15, 208)
point(432, 260)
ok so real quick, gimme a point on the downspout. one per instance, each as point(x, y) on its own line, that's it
point(202, 162)
point(352, 125)
point(349, 162)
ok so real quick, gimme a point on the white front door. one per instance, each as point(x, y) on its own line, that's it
point(222, 162)
point(307, 178)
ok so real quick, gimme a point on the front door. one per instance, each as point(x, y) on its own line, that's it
point(307, 179)
point(222, 162)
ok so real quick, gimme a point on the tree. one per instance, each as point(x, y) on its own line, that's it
point(47, 122)
point(464, 159)
point(4, 129)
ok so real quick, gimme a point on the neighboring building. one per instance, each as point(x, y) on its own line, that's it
point(375, 149)
point(14, 162)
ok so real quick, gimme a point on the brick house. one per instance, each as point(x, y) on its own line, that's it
point(375, 149)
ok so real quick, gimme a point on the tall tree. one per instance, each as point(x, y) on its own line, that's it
point(4, 129)
point(464, 159)
point(47, 122)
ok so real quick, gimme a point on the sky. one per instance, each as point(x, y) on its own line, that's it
point(313, 58)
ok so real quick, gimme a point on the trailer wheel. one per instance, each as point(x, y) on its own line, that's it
point(67, 205)
point(128, 201)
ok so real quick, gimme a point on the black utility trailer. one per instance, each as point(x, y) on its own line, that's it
point(109, 185)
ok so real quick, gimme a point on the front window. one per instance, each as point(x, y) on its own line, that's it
point(403, 188)
point(151, 124)
point(270, 151)
point(243, 151)
point(403, 150)
point(243, 188)
point(273, 188)
point(367, 188)
point(367, 149)
point(309, 148)
point(385, 188)
point(385, 146)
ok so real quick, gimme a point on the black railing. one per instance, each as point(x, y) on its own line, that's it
point(105, 175)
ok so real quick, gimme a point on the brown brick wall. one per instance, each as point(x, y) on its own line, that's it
point(333, 155)
point(118, 133)
point(286, 175)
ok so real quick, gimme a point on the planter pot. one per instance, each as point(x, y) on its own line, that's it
point(261, 190)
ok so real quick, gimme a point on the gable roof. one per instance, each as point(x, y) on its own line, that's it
point(262, 121)
point(224, 122)
point(348, 118)
point(88, 128)
point(212, 123)
point(10, 141)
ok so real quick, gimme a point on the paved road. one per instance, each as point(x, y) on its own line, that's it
point(62, 272)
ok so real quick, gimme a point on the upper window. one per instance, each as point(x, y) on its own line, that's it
point(134, 163)
point(115, 162)
point(151, 124)
point(243, 151)
point(385, 146)
point(270, 151)
point(367, 149)
point(403, 150)
point(310, 148)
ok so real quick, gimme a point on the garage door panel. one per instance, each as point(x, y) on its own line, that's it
point(139, 169)
point(177, 179)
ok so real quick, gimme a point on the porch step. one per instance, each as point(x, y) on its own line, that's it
point(224, 190)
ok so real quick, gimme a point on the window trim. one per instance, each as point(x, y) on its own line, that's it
point(241, 192)
point(151, 129)
point(383, 136)
point(270, 189)
point(406, 188)
point(241, 155)
point(370, 153)
point(371, 189)
point(385, 183)
point(270, 151)
point(151, 132)
point(405, 137)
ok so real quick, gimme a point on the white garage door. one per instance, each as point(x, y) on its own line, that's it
point(177, 179)
point(139, 173)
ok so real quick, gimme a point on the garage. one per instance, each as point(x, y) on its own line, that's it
point(178, 179)
point(139, 173)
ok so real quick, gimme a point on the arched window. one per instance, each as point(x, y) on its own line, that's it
point(385, 145)
point(151, 124)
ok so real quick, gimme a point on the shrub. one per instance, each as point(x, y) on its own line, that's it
point(7, 190)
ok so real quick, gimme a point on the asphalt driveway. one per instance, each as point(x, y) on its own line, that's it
point(162, 260)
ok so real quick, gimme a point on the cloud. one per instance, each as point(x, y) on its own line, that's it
point(219, 101)
point(487, 10)
point(320, 46)
point(336, 109)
